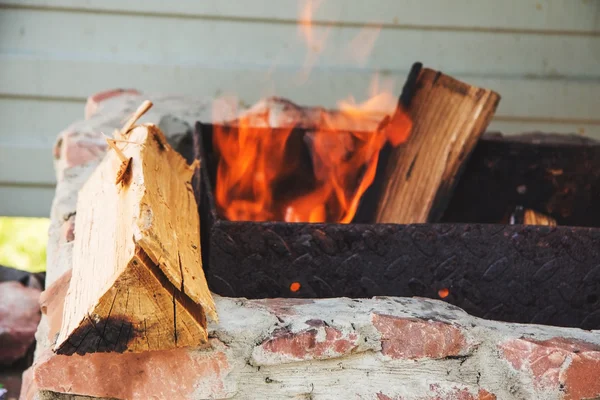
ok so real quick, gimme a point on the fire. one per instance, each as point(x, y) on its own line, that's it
point(294, 175)
point(314, 38)
point(314, 175)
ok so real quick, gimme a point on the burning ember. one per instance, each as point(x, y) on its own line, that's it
point(315, 175)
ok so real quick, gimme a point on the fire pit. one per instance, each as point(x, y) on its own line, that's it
point(517, 273)
point(473, 258)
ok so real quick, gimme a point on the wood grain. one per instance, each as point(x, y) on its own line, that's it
point(137, 280)
point(531, 217)
point(449, 117)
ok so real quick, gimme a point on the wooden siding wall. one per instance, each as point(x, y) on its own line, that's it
point(542, 56)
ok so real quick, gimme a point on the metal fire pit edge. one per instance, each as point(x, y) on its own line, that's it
point(514, 273)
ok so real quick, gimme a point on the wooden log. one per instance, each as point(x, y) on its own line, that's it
point(448, 117)
point(527, 216)
point(137, 281)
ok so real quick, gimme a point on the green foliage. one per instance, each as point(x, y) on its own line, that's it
point(23, 243)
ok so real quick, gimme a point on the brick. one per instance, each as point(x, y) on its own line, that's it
point(403, 338)
point(91, 106)
point(28, 388)
point(581, 378)
point(436, 392)
point(172, 374)
point(19, 318)
point(52, 302)
point(485, 395)
point(78, 149)
point(318, 343)
point(559, 364)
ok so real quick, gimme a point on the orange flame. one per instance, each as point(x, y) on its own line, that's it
point(283, 174)
point(315, 39)
point(361, 47)
point(318, 175)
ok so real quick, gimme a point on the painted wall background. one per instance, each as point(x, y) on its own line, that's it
point(543, 57)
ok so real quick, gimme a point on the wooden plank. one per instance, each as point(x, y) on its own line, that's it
point(560, 101)
point(84, 36)
point(25, 201)
point(546, 15)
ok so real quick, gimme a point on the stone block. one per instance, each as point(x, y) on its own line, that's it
point(19, 318)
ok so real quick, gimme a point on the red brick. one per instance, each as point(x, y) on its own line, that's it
point(582, 377)
point(485, 395)
point(19, 318)
point(311, 344)
point(557, 364)
point(171, 374)
point(436, 392)
point(28, 388)
point(92, 103)
point(52, 302)
point(78, 149)
point(403, 338)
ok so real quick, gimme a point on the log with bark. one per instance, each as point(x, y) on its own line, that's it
point(448, 118)
point(137, 281)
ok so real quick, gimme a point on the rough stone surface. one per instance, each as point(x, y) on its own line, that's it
point(408, 339)
point(570, 366)
point(318, 343)
point(169, 374)
point(278, 349)
point(19, 318)
point(52, 303)
point(381, 348)
point(93, 102)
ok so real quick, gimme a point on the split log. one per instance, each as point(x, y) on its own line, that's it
point(137, 281)
point(527, 216)
point(448, 117)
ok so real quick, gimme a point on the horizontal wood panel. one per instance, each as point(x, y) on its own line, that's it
point(545, 15)
point(26, 164)
point(34, 121)
point(35, 166)
point(25, 201)
point(558, 100)
point(156, 40)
